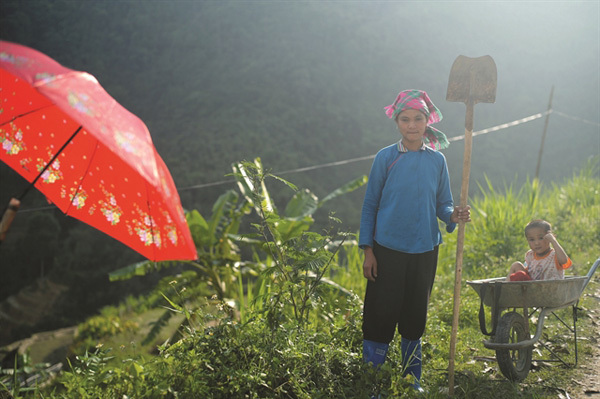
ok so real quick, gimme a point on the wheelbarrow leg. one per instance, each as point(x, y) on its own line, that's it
point(575, 329)
point(555, 356)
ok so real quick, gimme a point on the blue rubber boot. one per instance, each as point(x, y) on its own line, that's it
point(374, 352)
point(412, 361)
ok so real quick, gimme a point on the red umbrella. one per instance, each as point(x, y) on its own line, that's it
point(92, 158)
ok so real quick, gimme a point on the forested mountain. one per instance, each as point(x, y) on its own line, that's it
point(304, 83)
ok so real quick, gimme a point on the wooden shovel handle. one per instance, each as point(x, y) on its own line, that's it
point(460, 240)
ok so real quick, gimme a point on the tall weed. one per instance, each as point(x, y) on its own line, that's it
point(495, 236)
point(228, 355)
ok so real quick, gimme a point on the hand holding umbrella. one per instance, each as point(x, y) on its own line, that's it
point(8, 217)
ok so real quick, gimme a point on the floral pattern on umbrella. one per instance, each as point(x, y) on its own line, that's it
point(88, 155)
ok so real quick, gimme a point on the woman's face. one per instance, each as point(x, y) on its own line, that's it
point(412, 124)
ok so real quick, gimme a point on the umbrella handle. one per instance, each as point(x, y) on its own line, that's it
point(460, 239)
point(8, 217)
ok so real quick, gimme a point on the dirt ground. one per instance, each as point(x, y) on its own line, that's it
point(589, 386)
point(587, 383)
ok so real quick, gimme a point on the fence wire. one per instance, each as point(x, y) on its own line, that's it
point(367, 157)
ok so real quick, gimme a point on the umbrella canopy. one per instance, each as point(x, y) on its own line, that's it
point(87, 154)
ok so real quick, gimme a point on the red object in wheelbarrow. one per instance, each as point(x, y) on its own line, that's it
point(510, 336)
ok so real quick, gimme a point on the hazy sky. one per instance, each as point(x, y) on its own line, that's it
point(535, 45)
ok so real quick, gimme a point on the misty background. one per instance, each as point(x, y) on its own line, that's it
point(300, 84)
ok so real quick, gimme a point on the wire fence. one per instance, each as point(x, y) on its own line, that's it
point(367, 157)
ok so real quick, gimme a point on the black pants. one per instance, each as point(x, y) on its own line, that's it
point(400, 295)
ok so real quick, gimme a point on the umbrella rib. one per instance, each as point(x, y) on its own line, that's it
point(50, 163)
point(27, 113)
point(83, 175)
point(155, 249)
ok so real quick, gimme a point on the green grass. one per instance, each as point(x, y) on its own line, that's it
point(494, 239)
point(323, 359)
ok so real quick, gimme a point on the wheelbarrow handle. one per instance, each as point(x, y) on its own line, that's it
point(591, 273)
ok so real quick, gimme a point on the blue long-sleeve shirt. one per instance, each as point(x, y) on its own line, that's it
point(406, 193)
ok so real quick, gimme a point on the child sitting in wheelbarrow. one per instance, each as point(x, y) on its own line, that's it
point(542, 262)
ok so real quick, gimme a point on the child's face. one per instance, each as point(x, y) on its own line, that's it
point(536, 240)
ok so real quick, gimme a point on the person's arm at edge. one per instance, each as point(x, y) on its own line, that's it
point(369, 215)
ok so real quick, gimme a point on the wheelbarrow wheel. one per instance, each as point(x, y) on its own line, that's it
point(514, 363)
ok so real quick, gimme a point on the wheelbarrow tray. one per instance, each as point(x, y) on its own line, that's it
point(530, 294)
point(510, 334)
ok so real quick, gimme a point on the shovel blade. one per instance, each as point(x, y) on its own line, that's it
point(472, 79)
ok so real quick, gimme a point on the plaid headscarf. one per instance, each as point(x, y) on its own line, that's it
point(419, 100)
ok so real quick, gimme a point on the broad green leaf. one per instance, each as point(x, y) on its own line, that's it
point(136, 269)
point(273, 221)
point(199, 228)
point(235, 223)
point(345, 189)
point(243, 181)
point(267, 202)
point(144, 267)
point(157, 326)
point(244, 173)
point(287, 183)
point(336, 286)
point(173, 304)
point(228, 199)
point(136, 370)
point(303, 203)
point(289, 229)
point(246, 238)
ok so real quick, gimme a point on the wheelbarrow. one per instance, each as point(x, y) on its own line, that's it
point(510, 336)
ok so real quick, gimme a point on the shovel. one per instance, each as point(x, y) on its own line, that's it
point(472, 81)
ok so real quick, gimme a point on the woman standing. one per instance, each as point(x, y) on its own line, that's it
point(408, 190)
